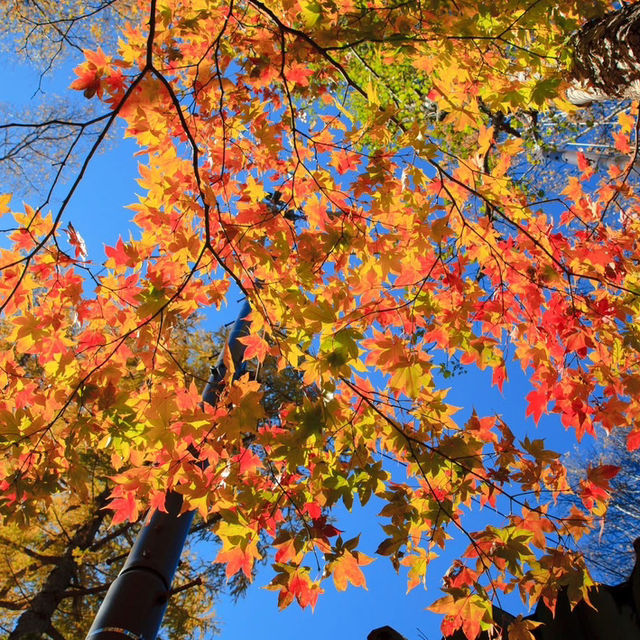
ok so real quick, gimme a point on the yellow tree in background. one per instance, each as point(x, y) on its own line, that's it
point(57, 563)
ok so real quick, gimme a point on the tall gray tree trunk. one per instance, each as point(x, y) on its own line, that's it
point(606, 58)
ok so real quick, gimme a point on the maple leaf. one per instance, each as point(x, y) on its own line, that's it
point(256, 347)
point(346, 569)
point(499, 376)
point(626, 121)
point(255, 190)
point(313, 509)
point(5, 199)
point(239, 558)
point(633, 440)
point(305, 591)
point(248, 461)
point(537, 404)
point(345, 161)
point(418, 564)
point(125, 507)
point(595, 490)
point(97, 58)
point(295, 584)
point(76, 241)
point(602, 474)
point(300, 74)
point(122, 255)
point(286, 551)
point(158, 501)
point(408, 379)
point(482, 427)
point(485, 140)
point(462, 610)
point(89, 79)
point(622, 142)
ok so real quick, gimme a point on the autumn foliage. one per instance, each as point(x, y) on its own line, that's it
point(395, 244)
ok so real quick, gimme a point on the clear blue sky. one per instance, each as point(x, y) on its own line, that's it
point(97, 212)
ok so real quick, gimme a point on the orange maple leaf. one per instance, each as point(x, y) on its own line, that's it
point(239, 558)
point(346, 569)
point(255, 347)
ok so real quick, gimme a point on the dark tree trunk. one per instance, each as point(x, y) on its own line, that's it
point(35, 622)
point(606, 58)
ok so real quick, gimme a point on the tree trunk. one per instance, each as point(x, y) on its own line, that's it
point(35, 622)
point(606, 58)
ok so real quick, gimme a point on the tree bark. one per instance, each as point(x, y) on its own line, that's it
point(35, 622)
point(606, 58)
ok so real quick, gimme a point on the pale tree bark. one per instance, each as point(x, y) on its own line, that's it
point(606, 58)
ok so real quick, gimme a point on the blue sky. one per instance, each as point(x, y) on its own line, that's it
point(98, 213)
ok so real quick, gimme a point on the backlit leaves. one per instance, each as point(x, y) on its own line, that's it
point(279, 160)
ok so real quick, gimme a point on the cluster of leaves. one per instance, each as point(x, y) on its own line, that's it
point(609, 550)
point(57, 563)
point(389, 254)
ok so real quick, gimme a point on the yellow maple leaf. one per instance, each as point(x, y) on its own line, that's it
point(5, 198)
point(255, 190)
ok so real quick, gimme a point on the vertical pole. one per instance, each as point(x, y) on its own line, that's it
point(137, 599)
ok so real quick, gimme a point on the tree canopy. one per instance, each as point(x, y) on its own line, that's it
point(376, 234)
point(58, 565)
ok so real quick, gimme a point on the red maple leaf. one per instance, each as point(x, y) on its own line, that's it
point(300, 74)
point(537, 404)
